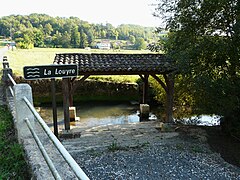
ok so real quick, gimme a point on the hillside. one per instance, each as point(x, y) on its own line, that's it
point(41, 30)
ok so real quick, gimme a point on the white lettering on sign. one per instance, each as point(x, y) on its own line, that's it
point(47, 72)
point(50, 71)
point(64, 71)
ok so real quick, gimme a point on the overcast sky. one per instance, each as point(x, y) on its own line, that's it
point(94, 11)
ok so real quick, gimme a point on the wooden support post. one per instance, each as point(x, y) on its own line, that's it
point(65, 89)
point(169, 79)
point(168, 86)
point(145, 89)
point(70, 86)
point(54, 107)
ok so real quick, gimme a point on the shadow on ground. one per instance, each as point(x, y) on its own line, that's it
point(224, 144)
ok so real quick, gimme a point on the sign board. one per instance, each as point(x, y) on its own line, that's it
point(50, 71)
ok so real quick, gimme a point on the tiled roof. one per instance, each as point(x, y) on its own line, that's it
point(122, 64)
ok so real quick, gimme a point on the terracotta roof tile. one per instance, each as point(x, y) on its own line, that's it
point(116, 63)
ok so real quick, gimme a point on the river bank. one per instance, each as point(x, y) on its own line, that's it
point(226, 145)
point(13, 164)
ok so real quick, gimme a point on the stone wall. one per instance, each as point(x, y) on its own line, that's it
point(86, 88)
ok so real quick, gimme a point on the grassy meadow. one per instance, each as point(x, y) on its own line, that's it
point(18, 58)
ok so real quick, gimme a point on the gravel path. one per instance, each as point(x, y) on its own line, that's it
point(142, 152)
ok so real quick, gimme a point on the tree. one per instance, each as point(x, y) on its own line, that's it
point(115, 34)
point(38, 38)
point(90, 37)
point(51, 27)
point(84, 40)
point(204, 42)
point(57, 39)
point(132, 39)
point(48, 29)
point(66, 40)
point(103, 34)
point(75, 37)
point(140, 44)
point(25, 40)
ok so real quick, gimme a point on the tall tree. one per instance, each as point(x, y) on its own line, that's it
point(38, 40)
point(132, 39)
point(140, 43)
point(84, 40)
point(48, 29)
point(204, 41)
point(75, 37)
point(12, 26)
point(57, 39)
point(66, 40)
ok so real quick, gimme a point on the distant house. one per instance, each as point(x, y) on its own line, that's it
point(105, 44)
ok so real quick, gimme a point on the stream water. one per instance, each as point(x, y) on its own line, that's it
point(95, 114)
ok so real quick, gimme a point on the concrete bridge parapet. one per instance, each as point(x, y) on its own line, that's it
point(14, 96)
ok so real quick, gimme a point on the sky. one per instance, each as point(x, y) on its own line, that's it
point(115, 12)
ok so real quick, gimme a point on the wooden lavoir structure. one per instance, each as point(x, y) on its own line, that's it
point(144, 65)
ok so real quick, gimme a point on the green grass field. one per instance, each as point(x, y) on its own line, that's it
point(45, 56)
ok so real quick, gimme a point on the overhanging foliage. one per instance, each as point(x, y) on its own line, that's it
point(204, 41)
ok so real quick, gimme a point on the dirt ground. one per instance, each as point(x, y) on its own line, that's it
point(141, 149)
point(227, 146)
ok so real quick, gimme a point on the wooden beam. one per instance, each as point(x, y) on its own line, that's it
point(141, 76)
point(74, 85)
point(121, 72)
point(73, 79)
point(164, 86)
point(168, 86)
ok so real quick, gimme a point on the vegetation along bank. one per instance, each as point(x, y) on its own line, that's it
point(13, 165)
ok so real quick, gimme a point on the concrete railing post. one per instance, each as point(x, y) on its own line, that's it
point(22, 110)
point(5, 79)
point(5, 73)
point(5, 62)
point(5, 83)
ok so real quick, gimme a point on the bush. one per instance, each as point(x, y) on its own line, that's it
point(23, 45)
